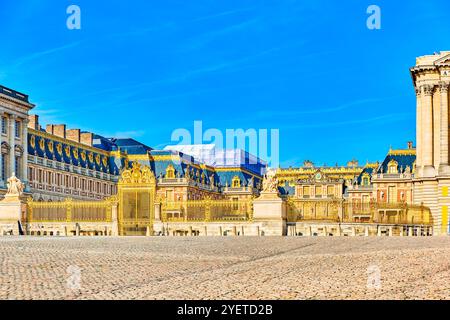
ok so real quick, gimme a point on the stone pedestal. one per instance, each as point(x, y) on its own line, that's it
point(269, 212)
point(158, 227)
point(12, 209)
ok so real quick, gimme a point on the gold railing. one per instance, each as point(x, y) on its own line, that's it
point(345, 212)
point(385, 212)
point(207, 210)
point(70, 210)
point(300, 210)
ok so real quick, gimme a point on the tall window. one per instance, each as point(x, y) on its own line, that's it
point(235, 203)
point(330, 190)
point(318, 190)
point(3, 167)
point(306, 191)
point(391, 194)
point(17, 167)
point(4, 124)
point(17, 128)
point(170, 196)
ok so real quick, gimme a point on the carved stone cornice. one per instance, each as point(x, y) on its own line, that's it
point(428, 89)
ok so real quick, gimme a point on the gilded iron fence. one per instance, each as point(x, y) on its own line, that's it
point(207, 210)
point(388, 213)
point(300, 210)
point(70, 210)
point(345, 212)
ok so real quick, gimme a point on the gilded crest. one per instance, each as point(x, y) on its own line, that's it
point(137, 174)
point(33, 141)
point(50, 146)
point(75, 153)
point(83, 155)
point(67, 151)
point(41, 143)
point(91, 157)
point(59, 148)
point(97, 159)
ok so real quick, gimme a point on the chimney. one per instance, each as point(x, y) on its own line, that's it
point(59, 130)
point(73, 134)
point(86, 138)
point(410, 145)
point(49, 128)
point(33, 121)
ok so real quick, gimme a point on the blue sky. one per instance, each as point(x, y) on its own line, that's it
point(312, 69)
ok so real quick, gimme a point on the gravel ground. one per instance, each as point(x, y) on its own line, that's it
point(225, 268)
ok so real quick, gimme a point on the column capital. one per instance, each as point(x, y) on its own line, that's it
point(417, 89)
point(428, 89)
point(12, 116)
point(443, 86)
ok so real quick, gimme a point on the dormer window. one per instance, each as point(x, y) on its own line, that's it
point(392, 167)
point(365, 181)
point(170, 172)
point(236, 182)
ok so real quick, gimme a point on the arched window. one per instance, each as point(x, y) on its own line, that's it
point(236, 182)
point(365, 179)
point(170, 172)
point(392, 167)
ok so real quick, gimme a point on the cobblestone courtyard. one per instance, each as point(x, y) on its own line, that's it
point(224, 268)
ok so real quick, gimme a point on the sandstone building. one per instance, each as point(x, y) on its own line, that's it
point(107, 185)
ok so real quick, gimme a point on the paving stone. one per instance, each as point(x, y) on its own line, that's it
point(225, 268)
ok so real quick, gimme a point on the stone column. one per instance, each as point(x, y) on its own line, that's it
point(366, 231)
point(114, 220)
point(427, 131)
point(443, 161)
point(338, 230)
point(418, 131)
point(12, 143)
point(25, 151)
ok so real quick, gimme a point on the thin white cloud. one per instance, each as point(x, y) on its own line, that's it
point(40, 54)
point(380, 119)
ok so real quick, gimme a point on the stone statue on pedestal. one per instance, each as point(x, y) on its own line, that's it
point(15, 186)
point(270, 181)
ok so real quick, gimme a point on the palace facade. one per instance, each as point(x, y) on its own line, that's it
point(56, 164)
